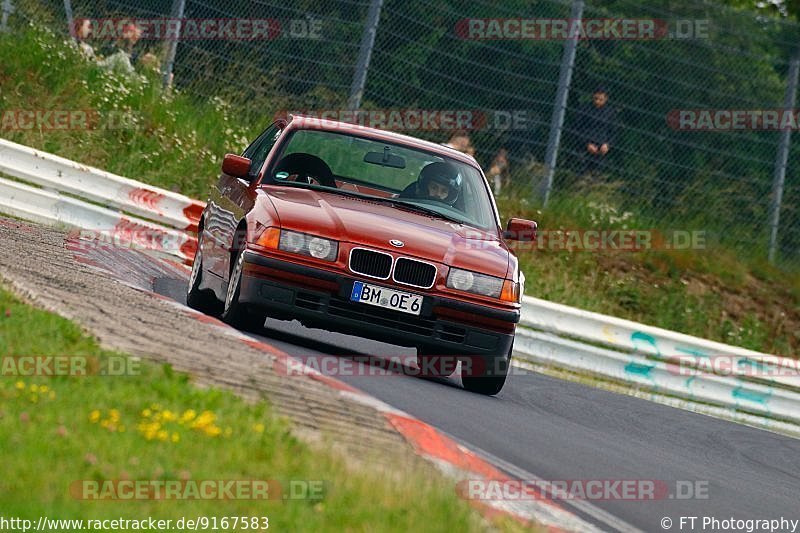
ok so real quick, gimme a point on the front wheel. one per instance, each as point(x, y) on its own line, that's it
point(491, 379)
point(236, 314)
point(438, 366)
point(201, 300)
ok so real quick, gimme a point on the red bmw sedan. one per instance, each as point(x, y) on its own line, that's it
point(367, 232)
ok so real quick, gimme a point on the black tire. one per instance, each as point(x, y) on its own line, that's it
point(202, 300)
point(234, 313)
point(491, 379)
point(437, 366)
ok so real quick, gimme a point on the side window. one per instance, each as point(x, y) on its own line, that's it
point(257, 152)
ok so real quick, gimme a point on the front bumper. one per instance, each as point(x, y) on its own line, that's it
point(320, 298)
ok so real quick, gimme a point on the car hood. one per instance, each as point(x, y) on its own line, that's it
point(370, 223)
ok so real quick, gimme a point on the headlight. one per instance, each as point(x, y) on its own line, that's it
point(304, 244)
point(464, 280)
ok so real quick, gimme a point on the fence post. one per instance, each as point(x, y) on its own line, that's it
point(782, 158)
point(70, 18)
point(8, 8)
point(178, 8)
point(364, 55)
point(560, 105)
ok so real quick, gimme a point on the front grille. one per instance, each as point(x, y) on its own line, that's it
point(410, 272)
point(370, 263)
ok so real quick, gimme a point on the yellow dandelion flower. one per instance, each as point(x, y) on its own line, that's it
point(258, 428)
point(94, 416)
point(162, 435)
point(114, 415)
point(205, 419)
point(175, 437)
point(20, 385)
point(34, 387)
point(213, 431)
point(168, 416)
point(146, 413)
point(43, 389)
point(188, 416)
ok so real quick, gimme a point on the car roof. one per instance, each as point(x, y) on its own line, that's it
point(317, 123)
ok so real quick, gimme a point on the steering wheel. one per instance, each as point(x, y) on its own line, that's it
point(307, 166)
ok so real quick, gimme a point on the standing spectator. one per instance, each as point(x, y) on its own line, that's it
point(498, 170)
point(596, 131)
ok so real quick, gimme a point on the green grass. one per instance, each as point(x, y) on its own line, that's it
point(721, 293)
point(169, 140)
point(55, 431)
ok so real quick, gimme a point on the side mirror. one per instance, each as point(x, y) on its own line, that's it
point(236, 166)
point(519, 229)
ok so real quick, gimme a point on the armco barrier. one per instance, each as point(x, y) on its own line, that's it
point(659, 360)
point(52, 209)
point(67, 193)
point(644, 357)
point(50, 171)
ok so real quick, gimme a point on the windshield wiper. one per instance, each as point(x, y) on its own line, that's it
point(421, 209)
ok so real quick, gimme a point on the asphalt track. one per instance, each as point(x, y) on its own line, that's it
point(550, 429)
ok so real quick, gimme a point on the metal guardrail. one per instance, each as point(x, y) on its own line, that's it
point(660, 360)
point(80, 196)
point(761, 386)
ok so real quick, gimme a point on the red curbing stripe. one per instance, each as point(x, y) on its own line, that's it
point(180, 266)
point(428, 441)
point(334, 383)
point(283, 365)
point(205, 319)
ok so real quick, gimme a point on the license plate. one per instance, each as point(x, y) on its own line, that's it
point(388, 298)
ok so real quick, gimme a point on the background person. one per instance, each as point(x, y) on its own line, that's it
point(498, 170)
point(597, 131)
point(82, 31)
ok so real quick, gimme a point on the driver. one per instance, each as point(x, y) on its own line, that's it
point(439, 181)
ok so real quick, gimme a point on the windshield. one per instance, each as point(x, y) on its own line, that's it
point(403, 176)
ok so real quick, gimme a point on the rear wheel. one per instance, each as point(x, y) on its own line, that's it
point(488, 380)
point(236, 314)
point(203, 300)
